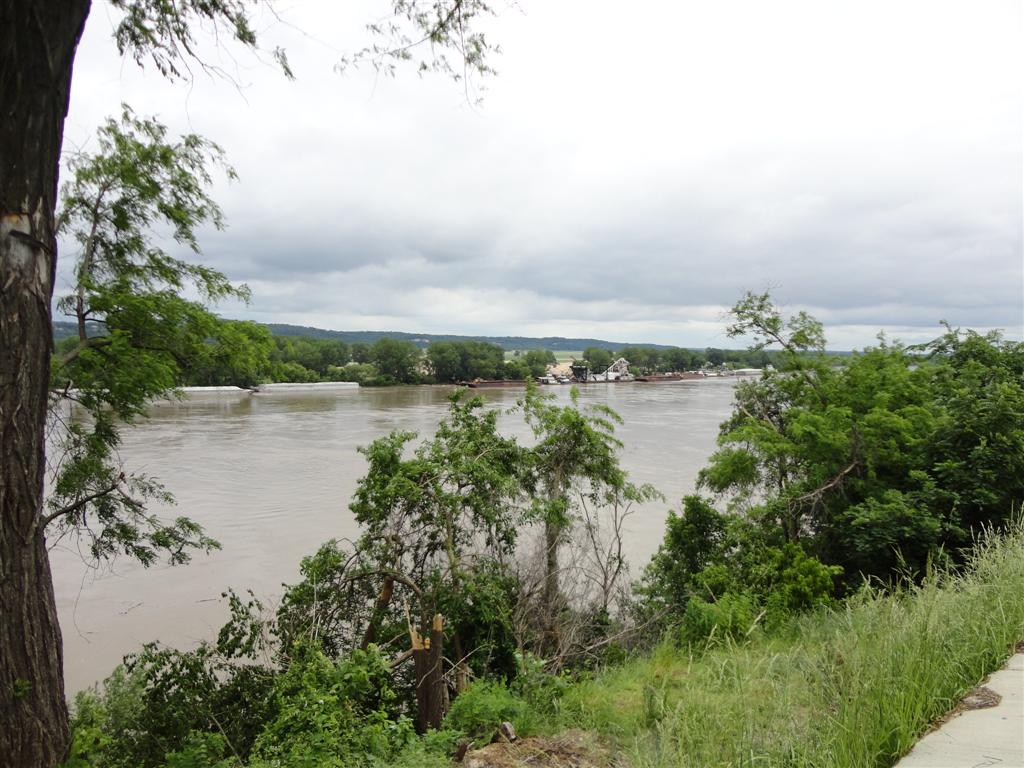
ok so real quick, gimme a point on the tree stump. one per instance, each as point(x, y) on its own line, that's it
point(428, 664)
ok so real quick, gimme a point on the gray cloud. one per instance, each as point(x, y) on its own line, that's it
point(630, 185)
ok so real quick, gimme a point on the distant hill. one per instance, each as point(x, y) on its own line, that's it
point(554, 343)
point(62, 329)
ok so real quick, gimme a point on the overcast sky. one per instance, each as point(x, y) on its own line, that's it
point(633, 168)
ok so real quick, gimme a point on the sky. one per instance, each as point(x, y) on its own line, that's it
point(631, 170)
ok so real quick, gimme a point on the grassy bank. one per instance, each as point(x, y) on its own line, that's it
point(852, 687)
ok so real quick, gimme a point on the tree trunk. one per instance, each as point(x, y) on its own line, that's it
point(37, 48)
point(387, 590)
point(552, 540)
point(554, 530)
point(438, 700)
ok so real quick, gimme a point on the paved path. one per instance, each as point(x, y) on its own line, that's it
point(979, 738)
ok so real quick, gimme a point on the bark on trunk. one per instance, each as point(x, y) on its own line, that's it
point(37, 47)
point(552, 540)
point(387, 590)
point(438, 701)
point(553, 531)
point(552, 590)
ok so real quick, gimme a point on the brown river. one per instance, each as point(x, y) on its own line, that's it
point(270, 476)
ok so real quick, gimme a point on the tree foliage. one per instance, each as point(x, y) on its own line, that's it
point(597, 358)
point(836, 469)
point(575, 461)
point(444, 521)
point(534, 363)
point(646, 360)
point(452, 362)
point(137, 335)
point(396, 361)
point(878, 460)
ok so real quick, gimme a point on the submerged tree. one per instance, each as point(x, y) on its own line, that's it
point(575, 460)
point(444, 521)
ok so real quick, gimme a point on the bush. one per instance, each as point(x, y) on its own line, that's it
point(479, 611)
point(540, 689)
point(358, 372)
point(800, 583)
point(484, 706)
point(334, 714)
point(294, 373)
point(733, 617)
point(203, 750)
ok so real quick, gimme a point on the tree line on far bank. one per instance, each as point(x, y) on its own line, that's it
point(644, 360)
point(245, 354)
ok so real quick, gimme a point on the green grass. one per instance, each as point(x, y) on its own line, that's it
point(847, 688)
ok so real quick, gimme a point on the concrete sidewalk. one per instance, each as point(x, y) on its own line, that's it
point(980, 737)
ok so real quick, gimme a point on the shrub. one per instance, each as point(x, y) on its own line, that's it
point(333, 714)
point(540, 689)
point(732, 617)
point(484, 706)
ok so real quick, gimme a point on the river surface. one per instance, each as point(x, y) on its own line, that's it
point(270, 476)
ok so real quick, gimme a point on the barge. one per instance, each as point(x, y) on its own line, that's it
point(686, 376)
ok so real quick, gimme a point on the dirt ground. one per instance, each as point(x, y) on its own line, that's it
point(572, 749)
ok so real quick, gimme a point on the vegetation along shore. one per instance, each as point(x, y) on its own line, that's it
point(852, 565)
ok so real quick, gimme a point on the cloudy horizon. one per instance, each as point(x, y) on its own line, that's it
point(626, 177)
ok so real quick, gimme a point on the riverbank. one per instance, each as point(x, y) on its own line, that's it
point(857, 686)
point(854, 686)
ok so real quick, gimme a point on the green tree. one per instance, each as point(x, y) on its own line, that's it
point(678, 359)
point(362, 352)
point(642, 359)
point(536, 361)
point(317, 356)
point(426, 517)
point(714, 356)
point(597, 358)
point(975, 457)
point(575, 460)
point(396, 361)
point(455, 361)
point(877, 461)
point(446, 362)
point(237, 354)
point(136, 334)
point(694, 540)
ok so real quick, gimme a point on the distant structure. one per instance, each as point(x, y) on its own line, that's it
point(617, 371)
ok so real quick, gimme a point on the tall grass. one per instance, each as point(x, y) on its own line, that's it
point(852, 687)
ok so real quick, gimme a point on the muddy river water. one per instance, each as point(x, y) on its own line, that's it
point(270, 477)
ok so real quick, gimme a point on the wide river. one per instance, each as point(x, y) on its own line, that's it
point(270, 476)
